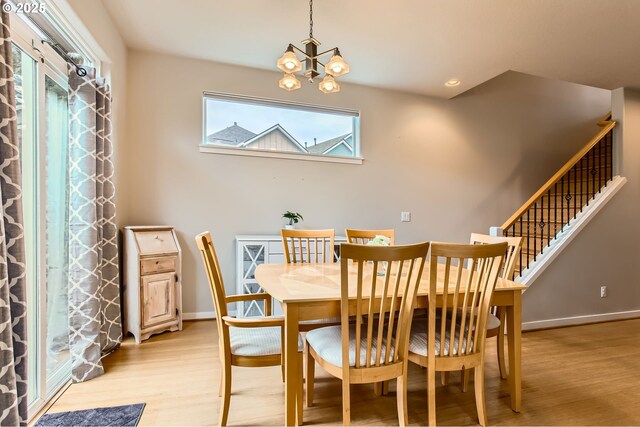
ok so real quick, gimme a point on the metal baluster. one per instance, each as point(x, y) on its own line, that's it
point(587, 177)
point(548, 216)
point(541, 224)
point(593, 169)
point(562, 201)
point(611, 155)
point(596, 169)
point(535, 230)
point(575, 192)
point(582, 182)
point(521, 233)
point(606, 159)
point(568, 197)
point(555, 210)
point(600, 165)
point(528, 236)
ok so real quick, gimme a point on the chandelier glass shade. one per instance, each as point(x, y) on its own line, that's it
point(336, 65)
point(289, 82)
point(290, 63)
point(329, 85)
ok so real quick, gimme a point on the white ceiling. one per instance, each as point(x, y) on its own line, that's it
point(409, 45)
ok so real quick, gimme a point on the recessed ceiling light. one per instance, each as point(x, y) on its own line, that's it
point(453, 83)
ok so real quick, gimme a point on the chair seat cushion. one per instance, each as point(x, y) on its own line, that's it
point(418, 342)
point(493, 322)
point(258, 341)
point(327, 343)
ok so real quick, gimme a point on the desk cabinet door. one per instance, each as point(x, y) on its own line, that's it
point(158, 299)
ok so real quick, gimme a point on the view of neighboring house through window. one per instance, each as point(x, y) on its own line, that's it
point(259, 124)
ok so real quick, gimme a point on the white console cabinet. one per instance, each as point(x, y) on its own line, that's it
point(251, 251)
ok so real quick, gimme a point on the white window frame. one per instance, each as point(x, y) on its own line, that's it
point(235, 151)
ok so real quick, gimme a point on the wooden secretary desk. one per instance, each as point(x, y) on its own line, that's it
point(152, 281)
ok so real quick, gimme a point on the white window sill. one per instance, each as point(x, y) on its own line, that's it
point(215, 149)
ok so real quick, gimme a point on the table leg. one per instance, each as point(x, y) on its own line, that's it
point(291, 362)
point(514, 339)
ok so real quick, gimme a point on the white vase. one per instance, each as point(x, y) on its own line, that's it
point(288, 227)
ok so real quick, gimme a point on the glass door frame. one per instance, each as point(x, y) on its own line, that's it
point(51, 68)
point(48, 64)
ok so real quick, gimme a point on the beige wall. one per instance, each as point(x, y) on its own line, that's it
point(607, 251)
point(458, 166)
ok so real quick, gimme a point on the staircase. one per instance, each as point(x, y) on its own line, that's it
point(564, 202)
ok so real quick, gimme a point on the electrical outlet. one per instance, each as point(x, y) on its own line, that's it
point(603, 291)
point(405, 216)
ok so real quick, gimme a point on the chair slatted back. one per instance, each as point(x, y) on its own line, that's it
point(362, 237)
point(392, 295)
point(214, 275)
point(302, 246)
point(511, 255)
point(464, 318)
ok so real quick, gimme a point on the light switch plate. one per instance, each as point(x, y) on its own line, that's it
point(405, 216)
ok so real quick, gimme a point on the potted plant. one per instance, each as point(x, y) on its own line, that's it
point(293, 218)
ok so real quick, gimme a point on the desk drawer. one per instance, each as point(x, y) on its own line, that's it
point(158, 265)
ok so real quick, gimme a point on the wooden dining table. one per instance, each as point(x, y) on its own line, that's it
point(312, 292)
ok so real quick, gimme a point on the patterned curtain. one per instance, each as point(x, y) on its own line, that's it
point(94, 291)
point(13, 292)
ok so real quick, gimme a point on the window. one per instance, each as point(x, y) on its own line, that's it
point(268, 128)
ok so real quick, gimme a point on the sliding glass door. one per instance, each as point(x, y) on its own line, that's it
point(56, 247)
point(42, 110)
point(26, 84)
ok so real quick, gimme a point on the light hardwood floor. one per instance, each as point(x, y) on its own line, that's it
point(585, 375)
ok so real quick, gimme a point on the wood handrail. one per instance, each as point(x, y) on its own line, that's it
point(605, 120)
point(607, 126)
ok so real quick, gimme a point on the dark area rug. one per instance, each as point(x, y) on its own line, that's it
point(127, 415)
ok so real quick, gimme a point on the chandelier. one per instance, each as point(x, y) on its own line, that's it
point(290, 64)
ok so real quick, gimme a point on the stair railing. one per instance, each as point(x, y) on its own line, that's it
point(563, 196)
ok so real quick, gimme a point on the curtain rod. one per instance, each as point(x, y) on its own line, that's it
point(81, 71)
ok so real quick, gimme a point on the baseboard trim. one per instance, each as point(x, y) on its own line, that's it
point(203, 315)
point(579, 320)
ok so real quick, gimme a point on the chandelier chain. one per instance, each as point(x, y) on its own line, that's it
point(310, 19)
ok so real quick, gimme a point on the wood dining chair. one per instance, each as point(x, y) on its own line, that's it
point(373, 348)
point(362, 237)
point(302, 246)
point(249, 342)
point(453, 336)
point(497, 315)
point(310, 246)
